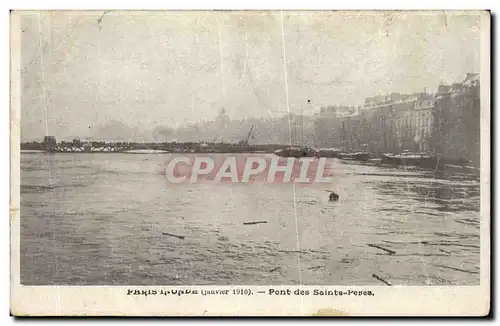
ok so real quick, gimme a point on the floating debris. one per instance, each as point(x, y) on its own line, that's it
point(456, 269)
point(274, 269)
point(174, 235)
point(347, 260)
point(334, 196)
point(391, 252)
point(432, 243)
point(223, 238)
point(308, 202)
point(319, 252)
point(315, 268)
point(381, 279)
point(293, 251)
point(256, 222)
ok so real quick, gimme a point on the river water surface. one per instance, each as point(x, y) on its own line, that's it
point(102, 219)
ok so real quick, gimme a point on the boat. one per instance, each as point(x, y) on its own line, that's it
point(422, 160)
point(296, 152)
point(357, 156)
point(328, 152)
point(374, 161)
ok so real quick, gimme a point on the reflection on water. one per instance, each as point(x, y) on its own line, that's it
point(112, 219)
point(447, 196)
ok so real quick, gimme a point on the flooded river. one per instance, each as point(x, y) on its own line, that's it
point(104, 219)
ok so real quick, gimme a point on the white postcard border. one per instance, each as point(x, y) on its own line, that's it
point(114, 300)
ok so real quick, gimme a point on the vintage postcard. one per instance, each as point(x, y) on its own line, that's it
point(250, 163)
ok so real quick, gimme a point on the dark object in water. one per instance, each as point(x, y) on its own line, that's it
point(328, 152)
point(257, 222)
point(174, 235)
point(391, 252)
point(381, 279)
point(421, 160)
point(296, 152)
point(359, 156)
point(334, 196)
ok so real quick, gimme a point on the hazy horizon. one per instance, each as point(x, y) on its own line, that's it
point(83, 70)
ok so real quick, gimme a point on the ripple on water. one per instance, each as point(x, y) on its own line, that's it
point(93, 222)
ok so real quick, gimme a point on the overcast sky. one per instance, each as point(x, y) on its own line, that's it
point(80, 70)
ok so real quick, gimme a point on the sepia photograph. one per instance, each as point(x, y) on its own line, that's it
point(272, 155)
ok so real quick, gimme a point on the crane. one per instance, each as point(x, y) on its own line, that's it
point(245, 142)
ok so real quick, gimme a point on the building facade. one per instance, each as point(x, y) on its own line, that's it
point(446, 122)
point(457, 121)
point(423, 122)
point(329, 124)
